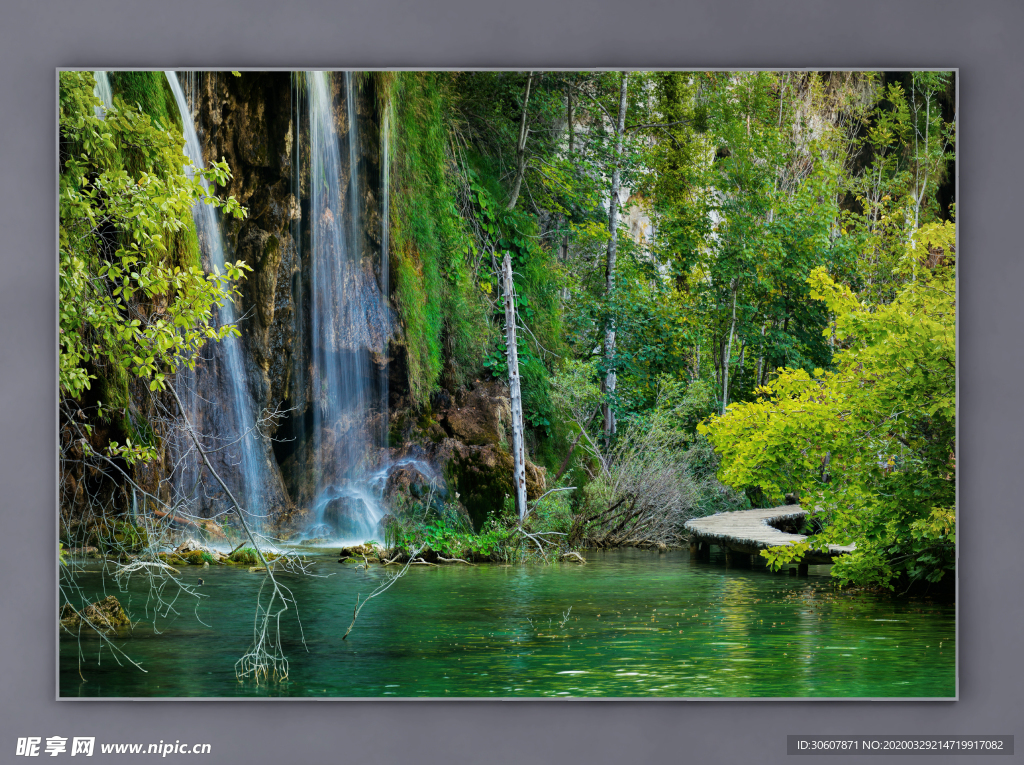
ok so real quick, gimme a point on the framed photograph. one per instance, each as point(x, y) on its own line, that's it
point(505, 384)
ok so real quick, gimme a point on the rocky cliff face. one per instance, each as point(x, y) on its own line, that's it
point(255, 122)
point(247, 121)
point(467, 434)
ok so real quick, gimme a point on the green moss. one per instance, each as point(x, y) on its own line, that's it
point(112, 387)
point(270, 251)
point(246, 557)
point(151, 92)
point(482, 489)
point(184, 246)
point(445, 327)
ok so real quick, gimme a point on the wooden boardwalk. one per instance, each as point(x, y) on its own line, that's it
point(744, 533)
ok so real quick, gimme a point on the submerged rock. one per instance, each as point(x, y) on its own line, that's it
point(105, 616)
point(84, 552)
point(357, 551)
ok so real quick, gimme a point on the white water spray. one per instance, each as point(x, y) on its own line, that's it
point(349, 320)
point(103, 92)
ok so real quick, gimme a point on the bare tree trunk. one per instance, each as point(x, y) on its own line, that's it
point(515, 394)
point(760, 358)
point(521, 148)
point(608, 385)
point(569, 117)
point(728, 351)
point(919, 197)
point(575, 442)
point(564, 254)
point(206, 461)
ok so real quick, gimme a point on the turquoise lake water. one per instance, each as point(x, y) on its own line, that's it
point(629, 623)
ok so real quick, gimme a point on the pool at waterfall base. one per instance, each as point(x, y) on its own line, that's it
point(629, 623)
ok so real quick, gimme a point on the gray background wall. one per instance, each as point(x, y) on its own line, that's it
point(982, 38)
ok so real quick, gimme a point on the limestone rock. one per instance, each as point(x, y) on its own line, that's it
point(478, 416)
point(106, 616)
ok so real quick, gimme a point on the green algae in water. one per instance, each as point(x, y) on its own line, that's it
point(630, 623)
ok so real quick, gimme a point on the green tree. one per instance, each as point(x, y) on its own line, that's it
point(870, 446)
point(133, 305)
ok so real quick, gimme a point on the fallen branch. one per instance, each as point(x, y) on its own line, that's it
point(236, 549)
point(185, 521)
point(455, 560)
point(138, 565)
point(260, 658)
point(380, 589)
point(536, 541)
point(552, 491)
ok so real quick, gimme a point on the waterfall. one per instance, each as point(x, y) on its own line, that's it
point(349, 323)
point(300, 369)
point(224, 414)
point(103, 92)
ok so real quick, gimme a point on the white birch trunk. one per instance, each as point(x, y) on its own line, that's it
point(521, 148)
point(515, 393)
point(608, 386)
point(728, 352)
point(760, 358)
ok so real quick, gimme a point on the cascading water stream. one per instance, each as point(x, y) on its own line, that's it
point(227, 411)
point(103, 92)
point(349, 320)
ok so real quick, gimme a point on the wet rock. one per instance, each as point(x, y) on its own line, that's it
point(357, 551)
point(346, 517)
point(105, 616)
point(465, 436)
point(193, 553)
point(479, 416)
point(412, 481)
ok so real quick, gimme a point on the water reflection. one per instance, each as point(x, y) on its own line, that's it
point(630, 623)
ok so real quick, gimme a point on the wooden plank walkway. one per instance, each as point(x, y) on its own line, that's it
point(747, 532)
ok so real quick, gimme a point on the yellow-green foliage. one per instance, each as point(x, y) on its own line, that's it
point(133, 301)
point(430, 241)
point(871, 445)
point(150, 92)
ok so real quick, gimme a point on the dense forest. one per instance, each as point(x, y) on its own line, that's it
point(730, 290)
